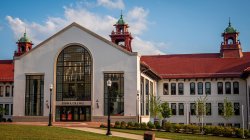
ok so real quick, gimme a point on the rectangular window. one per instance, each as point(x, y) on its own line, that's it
point(1, 106)
point(12, 91)
point(228, 87)
point(34, 95)
point(7, 91)
point(151, 88)
point(173, 108)
point(220, 87)
point(147, 105)
point(7, 110)
point(142, 96)
point(193, 108)
point(220, 124)
point(147, 87)
point(181, 108)
point(115, 93)
point(237, 125)
point(208, 109)
point(236, 87)
point(165, 89)
point(200, 88)
point(1, 91)
point(173, 88)
point(220, 109)
point(208, 88)
point(180, 88)
point(192, 88)
point(237, 109)
point(11, 111)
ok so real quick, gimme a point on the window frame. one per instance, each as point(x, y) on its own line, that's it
point(208, 88)
point(173, 88)
point(200, 88)
point(192, 88)
point(165, 89)
point(180, 88)
point(181, 111)
point(237, 109)
point(228, 87)
point(236, 90)
point(220, 88)
point(174, 108)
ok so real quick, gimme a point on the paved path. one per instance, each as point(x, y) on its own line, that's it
point(117, 134)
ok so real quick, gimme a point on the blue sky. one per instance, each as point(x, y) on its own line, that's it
point(158, 26)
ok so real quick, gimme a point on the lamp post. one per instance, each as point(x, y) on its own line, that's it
point(50, 89)
point(109, 83)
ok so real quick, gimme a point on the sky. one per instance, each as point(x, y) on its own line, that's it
point(158, 26)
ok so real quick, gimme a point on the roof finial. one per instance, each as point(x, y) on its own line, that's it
point(121, 14)
point(229, 23)
point(24, 32)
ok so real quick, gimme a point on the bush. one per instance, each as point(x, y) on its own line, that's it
point(208, 129)
point(137, 125)
point(228, 132)
point(102, 126)
point(3, 119)
point(157, 125)
point(9, 120)
point(218, 130)
point(144, 126)
point(176, 128)
point(117, 124)
point(193, 128)
point(150, 125)
point(130, 125)
point(167, 126)
point(123, 125)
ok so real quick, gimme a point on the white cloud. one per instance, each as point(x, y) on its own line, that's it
point(101, 24)
point(112, 4)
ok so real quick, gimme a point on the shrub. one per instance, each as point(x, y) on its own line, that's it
point(102, 126)
point(130, 125)
point(123, 125)
point(208, 129)
point(157, 125)
point(176, 128)
point(218, 130)
point(4, 119)
point(150, 125)
point(192, 128)
point(239, 132)
point(228, 132)
point(167, 126)
point(9, 120)
point(117, 124)
point(137, 125)
point(144, 126)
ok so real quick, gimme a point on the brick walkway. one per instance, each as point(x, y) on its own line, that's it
point(86, 126)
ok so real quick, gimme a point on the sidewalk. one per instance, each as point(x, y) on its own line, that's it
point(117, 134)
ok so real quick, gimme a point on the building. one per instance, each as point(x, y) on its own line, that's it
point(78, 63)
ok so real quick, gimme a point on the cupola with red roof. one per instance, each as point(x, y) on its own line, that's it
point(24, 44)
point(121, 36)
point(230, 47)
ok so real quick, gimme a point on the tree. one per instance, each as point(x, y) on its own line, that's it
point(228, 110)
point(200, 106)
point(155, 107)
point(166, 111)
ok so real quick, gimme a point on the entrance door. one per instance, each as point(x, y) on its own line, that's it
point(73, 113)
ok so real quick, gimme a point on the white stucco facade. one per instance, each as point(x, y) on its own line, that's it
point(106, 57)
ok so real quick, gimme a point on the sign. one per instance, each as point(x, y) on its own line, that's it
point(73, 103)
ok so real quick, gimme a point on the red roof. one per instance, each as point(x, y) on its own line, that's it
point(6, 71)
point(197, 65)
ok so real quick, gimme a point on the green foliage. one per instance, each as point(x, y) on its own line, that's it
point(102, 126)
point(157, 125)
point(218, 130)
point(200, 106)
point(144, 126)
point(130, 125)
point(137, 125)
point(208, 129)
point(167, 126)
point(150, 125)
point(117, 124)
point(166, 111)
point(155, 106)
point(123, 125)
point(228, 132)
point(228, 111)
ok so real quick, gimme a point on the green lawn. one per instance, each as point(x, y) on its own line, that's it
point(176, 136)
point(20, 132)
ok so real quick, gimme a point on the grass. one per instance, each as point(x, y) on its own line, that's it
point(13, 132)
point(175, 136)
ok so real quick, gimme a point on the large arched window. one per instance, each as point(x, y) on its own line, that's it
point(73, 74)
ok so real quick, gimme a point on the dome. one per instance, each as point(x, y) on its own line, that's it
point(24, 39)
point(121, 21)
point(230, 29)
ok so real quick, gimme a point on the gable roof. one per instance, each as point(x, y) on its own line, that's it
point(6, 71)
point(85, 30)
point(181, 66)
